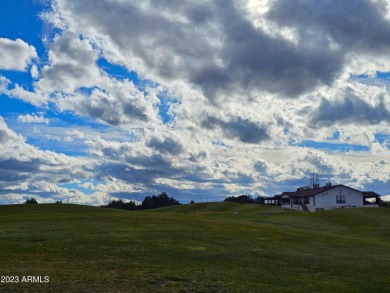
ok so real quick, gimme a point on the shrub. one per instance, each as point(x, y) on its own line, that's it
point(150, 202)
point(239, 199)
point(119, 204)
point(162, 200)
point(31, 200)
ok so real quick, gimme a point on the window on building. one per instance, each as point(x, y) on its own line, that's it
point(286, 201)
point(306, 200)
point(297, 200)
point(341, 199)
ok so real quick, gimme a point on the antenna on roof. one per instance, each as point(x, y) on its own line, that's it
point(314, 182)
point(328, 184)
point(311, 180)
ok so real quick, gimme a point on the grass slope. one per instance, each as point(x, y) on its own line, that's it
point(206, 247)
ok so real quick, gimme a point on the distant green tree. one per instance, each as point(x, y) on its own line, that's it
point(147, 203)
point(259, 200)
point(383, 203)
point(240, 199)
point(31, 200)
point(162, 200)
point(150, 202)
point(120, 204)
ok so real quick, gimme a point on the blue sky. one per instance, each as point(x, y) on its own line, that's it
point(122, 100)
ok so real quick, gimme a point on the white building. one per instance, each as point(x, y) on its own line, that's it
point(327, 197)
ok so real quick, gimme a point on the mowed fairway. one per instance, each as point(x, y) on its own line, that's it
point(207, 247)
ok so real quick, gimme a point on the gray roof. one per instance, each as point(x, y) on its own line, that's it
point(311, 191)
point(370, 194)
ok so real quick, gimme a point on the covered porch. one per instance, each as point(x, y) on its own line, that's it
point(371, 198)
point(273, 201)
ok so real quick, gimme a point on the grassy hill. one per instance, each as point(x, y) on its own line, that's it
point(205, 247)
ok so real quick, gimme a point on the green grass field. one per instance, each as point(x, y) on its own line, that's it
point(206, 247)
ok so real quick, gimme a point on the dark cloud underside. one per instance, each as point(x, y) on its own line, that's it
point(243, 129)
point(350, 110)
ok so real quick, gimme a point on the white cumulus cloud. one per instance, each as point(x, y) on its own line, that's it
point(16, 55)
point(33, 119)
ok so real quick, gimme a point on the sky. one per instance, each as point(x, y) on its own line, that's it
point(122, 99)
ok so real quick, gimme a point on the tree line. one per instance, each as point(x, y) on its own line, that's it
point(245, 199)
point(162, 200)
point(150, 202)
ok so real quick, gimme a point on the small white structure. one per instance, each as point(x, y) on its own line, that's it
point(327, 197)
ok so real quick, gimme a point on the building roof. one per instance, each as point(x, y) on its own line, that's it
point(311, 191)
point(370, 194)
